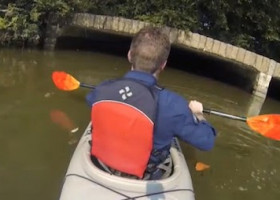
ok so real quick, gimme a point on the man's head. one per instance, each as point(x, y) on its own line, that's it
point(149, 50)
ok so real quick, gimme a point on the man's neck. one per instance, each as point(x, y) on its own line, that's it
point(156, 74)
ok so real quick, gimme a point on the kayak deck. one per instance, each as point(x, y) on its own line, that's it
point(85, 181)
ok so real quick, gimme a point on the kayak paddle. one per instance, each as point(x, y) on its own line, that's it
point(267, 125)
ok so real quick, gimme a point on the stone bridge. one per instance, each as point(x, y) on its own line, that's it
point(265, 67)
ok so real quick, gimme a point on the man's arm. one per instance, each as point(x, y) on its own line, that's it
point(194, 129)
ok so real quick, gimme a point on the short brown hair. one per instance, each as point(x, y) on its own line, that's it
point(149, 49)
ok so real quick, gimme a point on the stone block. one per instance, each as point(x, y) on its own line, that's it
point(277, 70)
point(250, 58)
point(202, 42)
point(77, 19)
point(261, 84)
point(99, 21)
point(92, 21)
point(233, 54)
point(83, 19)
point(216, 47)
point(229, 50)
point(182, 36)
point(240, 55)
point(187, 41)
point(121, 24)
point(272, 66)
point(86, 22)
point(265, 65)
point(128, 26)
point(209, 44)
point(108, 23)
point(258, 62)
point(115, 23)
point(141, 24)
point(194, 40)
point(260, 92)
point(134, 28)
point(222, 49)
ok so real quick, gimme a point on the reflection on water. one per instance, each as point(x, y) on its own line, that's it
point(36, 146)
point(255, 105)
point(63, 121)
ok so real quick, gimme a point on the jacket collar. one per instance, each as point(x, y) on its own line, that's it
point(147, 78)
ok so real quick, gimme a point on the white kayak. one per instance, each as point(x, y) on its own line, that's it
point(85, 181)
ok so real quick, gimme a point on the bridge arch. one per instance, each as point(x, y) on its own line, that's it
point(264, 68)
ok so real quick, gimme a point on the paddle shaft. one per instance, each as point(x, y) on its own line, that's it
point(244, 119)
point(86, 86)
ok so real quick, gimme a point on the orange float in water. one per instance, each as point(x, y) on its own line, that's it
point(200, 166)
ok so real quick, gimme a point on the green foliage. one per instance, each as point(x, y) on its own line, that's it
point(59, 7)
point(254, 25)
point(2, 23)
point(23, 20)
point(179, 13)
point(17, 26)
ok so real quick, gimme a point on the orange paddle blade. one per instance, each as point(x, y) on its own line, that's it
point(64, 81)
point(266, 125)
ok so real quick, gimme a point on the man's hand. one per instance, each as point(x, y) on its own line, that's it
point(195, 106)
point(197, 109)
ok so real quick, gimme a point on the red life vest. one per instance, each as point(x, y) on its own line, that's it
point(123, 122)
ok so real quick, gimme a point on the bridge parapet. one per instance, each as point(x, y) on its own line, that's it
point(178, 37)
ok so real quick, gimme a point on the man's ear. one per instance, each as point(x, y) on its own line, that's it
point(129, 59)
point(163, 65)
point(129, 56)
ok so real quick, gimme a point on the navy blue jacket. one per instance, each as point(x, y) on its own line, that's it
point(174, 118)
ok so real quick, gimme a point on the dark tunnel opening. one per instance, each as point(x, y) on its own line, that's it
point(273, 90)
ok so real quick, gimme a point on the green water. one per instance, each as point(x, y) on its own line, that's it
point(35, 149)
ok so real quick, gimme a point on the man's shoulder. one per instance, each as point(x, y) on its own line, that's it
point(105, 82)
point(172, 97)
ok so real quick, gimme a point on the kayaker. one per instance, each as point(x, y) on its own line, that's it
point(134, 119)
